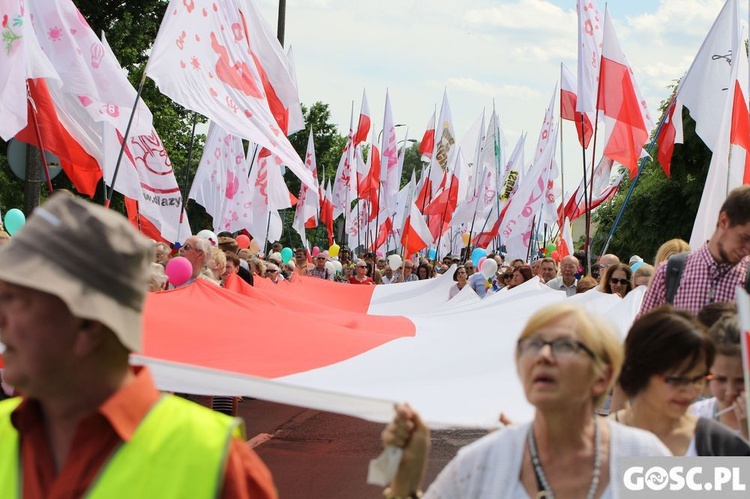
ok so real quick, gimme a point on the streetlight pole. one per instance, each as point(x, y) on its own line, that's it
point(282, 20)
point(394, 126)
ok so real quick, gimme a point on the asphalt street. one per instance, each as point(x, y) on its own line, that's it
point(314, 454)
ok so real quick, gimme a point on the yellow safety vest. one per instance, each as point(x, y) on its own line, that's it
point(179, 450)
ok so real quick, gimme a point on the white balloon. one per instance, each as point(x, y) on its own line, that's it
point(330, 267)
point(207, 234)
point(489, 268)
point(394, 262)
point(336, 265)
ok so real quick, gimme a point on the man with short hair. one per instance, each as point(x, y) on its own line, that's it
point(409, 275)
point(536, 267)
point(300, 261)
point(320, 271)
point(566, 281)
point(345, 256)
point(548, 269)
point(197, 250)
point(608, 260)
point(161, 253)
point(712, 272)
point(87, 424)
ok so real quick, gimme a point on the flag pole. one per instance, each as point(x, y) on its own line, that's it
point(108, 195)
point(187, 174)
point(638, 175)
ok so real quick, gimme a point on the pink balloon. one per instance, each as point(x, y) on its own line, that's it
point(481, 261)
point(179, 269)
point(315, 251)
point(379, 254)
point(243, 241)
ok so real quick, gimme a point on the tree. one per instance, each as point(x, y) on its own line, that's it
point(660, 208)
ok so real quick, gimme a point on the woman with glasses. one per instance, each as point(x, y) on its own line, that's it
point(566, 360)
point(668, 357)
point(618, 280)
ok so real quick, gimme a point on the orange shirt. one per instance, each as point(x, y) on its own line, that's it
point(97, 436)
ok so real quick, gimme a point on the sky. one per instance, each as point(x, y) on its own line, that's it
point(482, 51)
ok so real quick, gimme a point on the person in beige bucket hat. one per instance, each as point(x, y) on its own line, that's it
point(73, 283)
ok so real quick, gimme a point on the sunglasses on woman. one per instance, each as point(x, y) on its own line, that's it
point(615, 280)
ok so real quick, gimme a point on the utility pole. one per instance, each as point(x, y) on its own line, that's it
point(282, 20)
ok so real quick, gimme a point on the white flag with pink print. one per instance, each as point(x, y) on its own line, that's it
point(590, 39)
point(444, 150)
point(220, 173)
point(268, 194)
point(523, 212)
point(202, 59)
point(390, 177)
point(93, 86)
point(20, 58)
point(546, 131)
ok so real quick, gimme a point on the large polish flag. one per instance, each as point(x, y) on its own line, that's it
point(356, 349)
point(206, 59)
point(626, 120)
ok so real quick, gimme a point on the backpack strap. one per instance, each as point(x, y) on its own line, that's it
point(747, 279)
point(675, 266)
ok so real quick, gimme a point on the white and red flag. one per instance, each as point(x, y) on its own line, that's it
point(729, 161)
point(547, 125)
point(603, 189)
point(568, 105)
point(427, 144)
point(363, 125)
point(21, 58)
point(627, 123)
point(207, 59)
point(590, 37)
point(306, 212)
point(416, 235)
point(565, 247)
point(703, 89)
point(326, 212)
point(669, 135)
point(345, 182)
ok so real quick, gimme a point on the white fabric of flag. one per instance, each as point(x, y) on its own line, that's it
point(308, 203)
point(444, 151)
point(92, 89)
point(546, 130)
point(703, 89)
point(727, 166)
point(203, 60)
point(389, 174)
point(516, 228)
point(20, 58)
point(590, 37)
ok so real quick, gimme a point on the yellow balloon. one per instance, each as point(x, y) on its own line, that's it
point(333, 251)
point(465, 238)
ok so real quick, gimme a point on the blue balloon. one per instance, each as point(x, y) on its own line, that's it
point(14, 220)
point(477, 255)
point(432, 253)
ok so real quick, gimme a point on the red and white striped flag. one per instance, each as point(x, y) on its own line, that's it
point(415, 235)
point(427, 144)
point(568, 104)
point(626, 122)
point(363, 126)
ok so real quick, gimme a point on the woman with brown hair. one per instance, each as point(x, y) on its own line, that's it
point(520, 275)
point(617, 280)
point(668, 357)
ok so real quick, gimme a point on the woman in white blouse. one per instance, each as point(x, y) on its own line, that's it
point(566, 360)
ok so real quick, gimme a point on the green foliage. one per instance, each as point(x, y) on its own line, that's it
point(660, 208)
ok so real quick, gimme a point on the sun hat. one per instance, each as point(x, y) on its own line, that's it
point(89, 257)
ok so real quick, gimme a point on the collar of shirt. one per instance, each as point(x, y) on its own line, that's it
point(718, 270)
point(124, 410)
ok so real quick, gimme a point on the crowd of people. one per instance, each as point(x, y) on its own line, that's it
point(86, 422)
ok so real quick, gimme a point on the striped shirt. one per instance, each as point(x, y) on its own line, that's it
point(703, 281)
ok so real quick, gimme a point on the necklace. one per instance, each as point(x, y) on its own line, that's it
point(546, 492)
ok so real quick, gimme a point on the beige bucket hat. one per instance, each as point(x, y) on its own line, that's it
point(89, 257)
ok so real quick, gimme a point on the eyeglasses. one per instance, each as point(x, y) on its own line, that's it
point(188, 247)
point(615, 280)
point(321, 258)
point(678, 382)
point(271, 270)
point(561, 347)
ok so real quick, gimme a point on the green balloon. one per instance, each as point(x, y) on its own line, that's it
point(14, 220)
point(550, 247)
point(286, 254)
